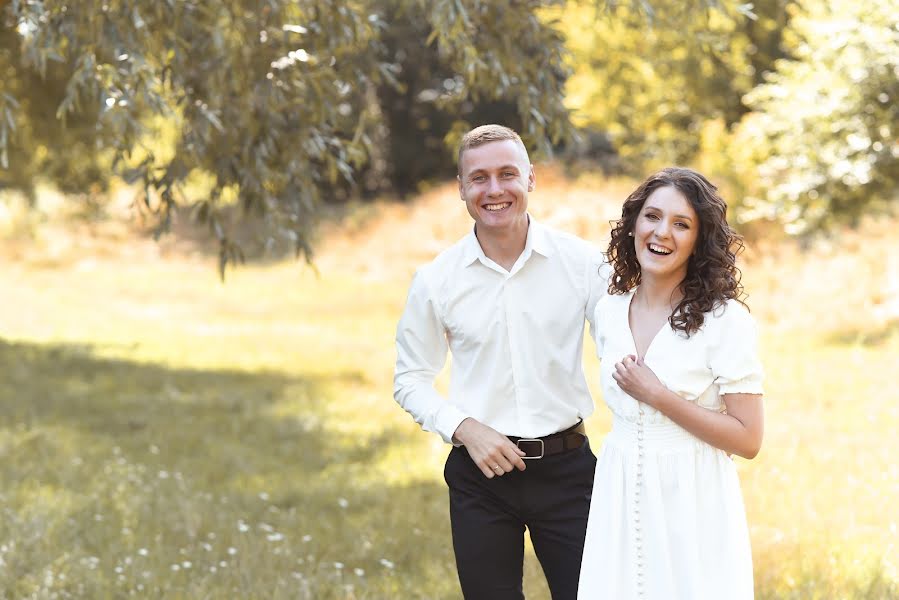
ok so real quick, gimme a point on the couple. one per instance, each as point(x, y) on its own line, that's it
point(678, 370)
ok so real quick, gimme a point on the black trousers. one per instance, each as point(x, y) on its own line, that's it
point(551, 498)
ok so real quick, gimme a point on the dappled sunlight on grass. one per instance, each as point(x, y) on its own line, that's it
point(196, 479)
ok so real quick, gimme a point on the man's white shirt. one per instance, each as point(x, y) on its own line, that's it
point(516, 336)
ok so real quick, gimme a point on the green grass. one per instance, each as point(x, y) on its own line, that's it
point(166, 436)
point(220, 445)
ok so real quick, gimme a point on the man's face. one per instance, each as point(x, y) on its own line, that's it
point(494, 182)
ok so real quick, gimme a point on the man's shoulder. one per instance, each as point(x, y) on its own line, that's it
point(448, 259)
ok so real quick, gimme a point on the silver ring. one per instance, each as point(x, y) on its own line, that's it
point(496, 467)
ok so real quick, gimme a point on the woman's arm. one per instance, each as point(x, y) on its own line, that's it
point(737, 432)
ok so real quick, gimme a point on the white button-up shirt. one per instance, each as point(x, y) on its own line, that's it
point(516, 336)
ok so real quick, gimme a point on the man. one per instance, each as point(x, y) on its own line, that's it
point(509, 301)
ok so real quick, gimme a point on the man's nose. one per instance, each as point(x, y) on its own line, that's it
point(495, 188)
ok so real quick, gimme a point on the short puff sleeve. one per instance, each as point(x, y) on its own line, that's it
point(733, 351)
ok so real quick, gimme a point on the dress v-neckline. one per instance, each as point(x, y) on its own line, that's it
point(627, 320)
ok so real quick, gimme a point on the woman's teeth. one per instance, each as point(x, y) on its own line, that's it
point(658, 249)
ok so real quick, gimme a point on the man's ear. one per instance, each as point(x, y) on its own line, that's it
point(532, 179)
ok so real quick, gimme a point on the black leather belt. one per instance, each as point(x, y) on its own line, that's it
point(554, 443)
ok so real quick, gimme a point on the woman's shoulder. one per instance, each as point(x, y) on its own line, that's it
point(730, 316)
point(611, 301)
point(730, 309)
point(608, 307)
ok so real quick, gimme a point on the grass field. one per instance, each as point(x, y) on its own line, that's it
point(166, 436)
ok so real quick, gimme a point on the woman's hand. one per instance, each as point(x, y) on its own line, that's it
point(638, 380)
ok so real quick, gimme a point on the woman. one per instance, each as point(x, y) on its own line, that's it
point(680, 373)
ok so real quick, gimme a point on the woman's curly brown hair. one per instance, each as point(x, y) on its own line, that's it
point(712, 274)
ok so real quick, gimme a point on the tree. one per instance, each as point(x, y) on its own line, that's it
point(820, 146)
point(276, 101)
point(28, 120)
point(652, 85)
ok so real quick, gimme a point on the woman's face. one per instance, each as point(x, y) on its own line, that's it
point(665, 234)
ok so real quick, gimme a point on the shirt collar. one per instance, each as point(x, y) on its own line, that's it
point(537, 241)
point(472, 250)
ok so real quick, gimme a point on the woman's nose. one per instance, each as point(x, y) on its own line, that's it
point(663, 229)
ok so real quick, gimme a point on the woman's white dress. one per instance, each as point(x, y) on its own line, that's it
point(667, 519)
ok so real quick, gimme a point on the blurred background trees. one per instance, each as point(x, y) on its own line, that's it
point(275, 106)
point(651, 86)
point(820, 145)
point(281, 108)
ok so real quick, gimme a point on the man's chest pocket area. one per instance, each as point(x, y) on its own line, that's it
point(471, 323)
point(553, 310)
point(546, 313)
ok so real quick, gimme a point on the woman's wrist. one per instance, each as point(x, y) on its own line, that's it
point(661, 398)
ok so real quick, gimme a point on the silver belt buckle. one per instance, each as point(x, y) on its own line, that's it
point(518, 443)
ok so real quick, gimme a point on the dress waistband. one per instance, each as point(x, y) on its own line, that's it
point(658, 435)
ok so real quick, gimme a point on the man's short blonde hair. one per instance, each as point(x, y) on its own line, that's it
point(484, 135)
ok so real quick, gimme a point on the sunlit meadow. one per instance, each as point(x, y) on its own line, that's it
point(164, 435)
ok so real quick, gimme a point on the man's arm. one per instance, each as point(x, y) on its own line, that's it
point(598, 273)
point(421, 350)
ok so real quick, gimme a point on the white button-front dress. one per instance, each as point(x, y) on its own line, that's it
point(667, 519)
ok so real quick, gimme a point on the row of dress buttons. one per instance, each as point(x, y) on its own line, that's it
point(638, 537)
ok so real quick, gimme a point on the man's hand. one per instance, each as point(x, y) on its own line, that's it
point(491, 451)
